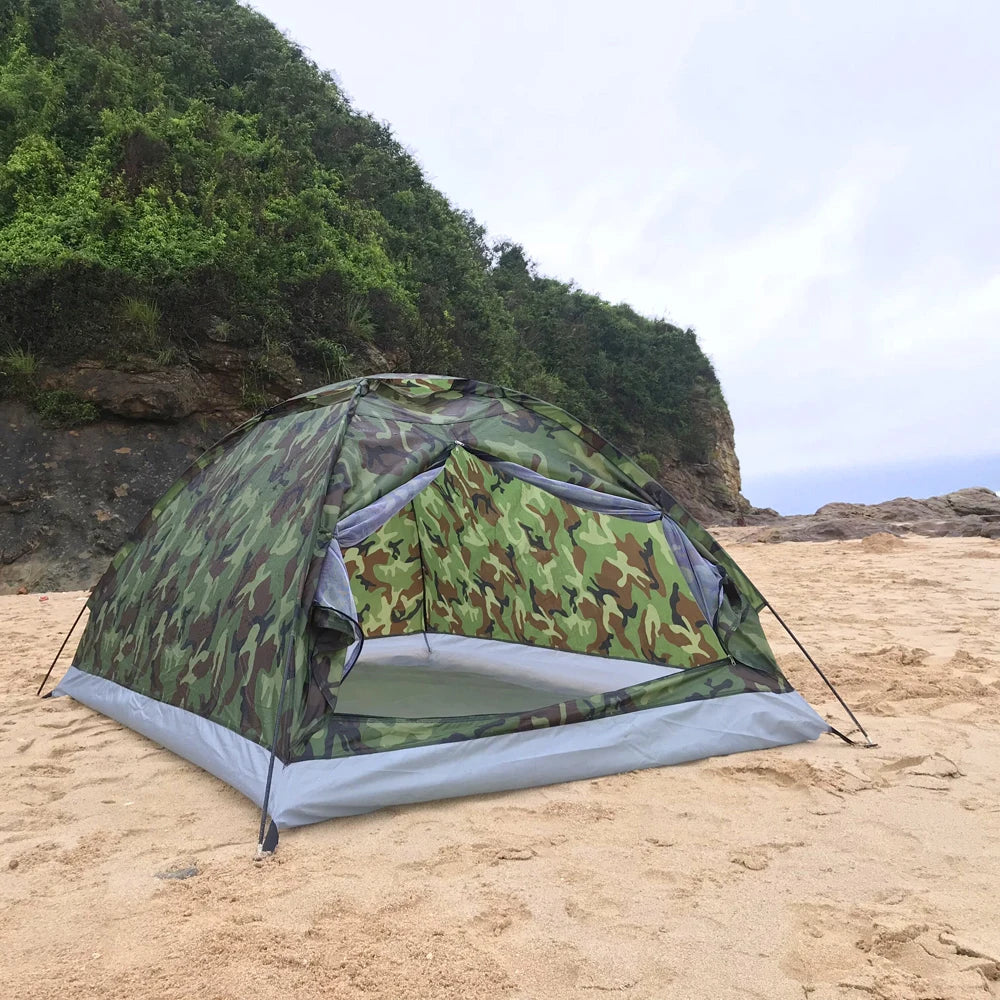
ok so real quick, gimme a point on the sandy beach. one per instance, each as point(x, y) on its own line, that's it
point(814, 871)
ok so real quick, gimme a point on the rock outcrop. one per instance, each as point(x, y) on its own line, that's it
point(68, 498)
point(710, 490)
point(972, 512)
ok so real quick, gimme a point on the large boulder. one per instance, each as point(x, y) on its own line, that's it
point(977, 500)
point(169, 394)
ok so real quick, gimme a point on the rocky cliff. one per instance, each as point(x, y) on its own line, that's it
point(710, 489)
point(195, 223)
point(70, 496)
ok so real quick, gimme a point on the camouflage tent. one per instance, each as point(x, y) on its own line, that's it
point(407, 587)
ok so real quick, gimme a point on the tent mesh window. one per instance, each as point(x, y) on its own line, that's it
point(482, 572)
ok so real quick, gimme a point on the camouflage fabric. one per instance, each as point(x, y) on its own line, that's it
point(201, 609)
point(506, 560)
point(387, 579)
point(402, 424)
point(201, 606)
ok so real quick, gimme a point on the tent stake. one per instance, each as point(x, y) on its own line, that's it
point(868, 745)
point(267, 844)
point(52, 665)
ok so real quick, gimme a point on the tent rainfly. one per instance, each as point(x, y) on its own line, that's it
point(406, 587)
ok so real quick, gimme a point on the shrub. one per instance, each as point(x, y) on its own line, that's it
point(648, 462)
point(141, 314)
point(18, 363)
point(332, 358)
point(63, 408)
point(18, 370)
point(141, 318)
point(252, 396)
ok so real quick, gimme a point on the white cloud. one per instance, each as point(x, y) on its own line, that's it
point(813, 188)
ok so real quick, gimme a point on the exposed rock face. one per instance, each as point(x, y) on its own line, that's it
point(157, 395)
point(974, 502)
point(145, 391)
point(68, 498)
point(711, 491)
point(972, 512)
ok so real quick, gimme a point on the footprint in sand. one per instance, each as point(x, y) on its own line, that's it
point(48, 770)
point(589, 812)
point(827, 787)
point(935, 771)
point(847, 951)
point(595, 908)
point(501, 914)
point(759, 857)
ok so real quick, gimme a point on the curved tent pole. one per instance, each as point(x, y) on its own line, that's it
point(868, 744)
point(52, 665)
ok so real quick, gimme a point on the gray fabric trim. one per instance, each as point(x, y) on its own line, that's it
point(334, 588)
point(356, 527)
point(309, 791)
point(704, 578)
point(233, 758)
point(580, 496)
point(314, 790)
point(333, 592)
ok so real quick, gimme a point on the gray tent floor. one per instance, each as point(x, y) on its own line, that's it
point(415, 691)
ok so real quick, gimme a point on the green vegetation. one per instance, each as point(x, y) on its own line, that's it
point(333, 360)
point(18, 371)
point(57, 407)
point(173, 171)
point(62, 408)
point(19, 363)
point(648, 461)
point(142, 316)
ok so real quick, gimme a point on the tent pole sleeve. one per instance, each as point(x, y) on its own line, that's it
point(868, 742)
point(274, 744)
point(52, 665)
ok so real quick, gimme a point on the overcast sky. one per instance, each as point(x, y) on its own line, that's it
point(815, 188)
